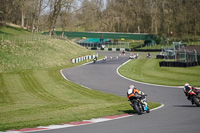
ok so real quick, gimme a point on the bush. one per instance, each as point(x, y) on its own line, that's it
point(102, 48)
point(117, 49)
point(109, 49)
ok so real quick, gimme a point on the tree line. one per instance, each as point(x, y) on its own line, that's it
point(160, 17)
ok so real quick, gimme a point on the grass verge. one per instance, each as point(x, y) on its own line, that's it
point(149, 71)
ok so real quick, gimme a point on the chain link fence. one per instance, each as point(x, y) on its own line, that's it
point(23, 38)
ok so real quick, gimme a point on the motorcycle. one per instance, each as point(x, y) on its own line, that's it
point(148, 55)
point(104, 59)
point(137, 104)
point(194, 96)
point(94, 60)
point(132, 56)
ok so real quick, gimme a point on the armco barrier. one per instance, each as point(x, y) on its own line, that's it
point(160, 56)
point(79, 59)
point(178, 64)
point(127, 49)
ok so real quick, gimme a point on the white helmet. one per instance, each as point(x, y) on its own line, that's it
point(131, 87)
point(186, 84)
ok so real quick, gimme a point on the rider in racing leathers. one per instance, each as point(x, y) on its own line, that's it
point(132, 91)
point(187, 89)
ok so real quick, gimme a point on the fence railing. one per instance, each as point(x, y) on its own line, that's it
point(23, 38)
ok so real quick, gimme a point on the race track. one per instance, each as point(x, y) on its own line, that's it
point(177, 115)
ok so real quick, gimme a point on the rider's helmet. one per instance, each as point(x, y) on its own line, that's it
point(131, 87)
point(186, 84)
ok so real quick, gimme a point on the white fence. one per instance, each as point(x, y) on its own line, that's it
point(79, 59)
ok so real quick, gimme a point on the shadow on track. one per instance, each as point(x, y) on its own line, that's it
point(184, 106)
point(128, 111)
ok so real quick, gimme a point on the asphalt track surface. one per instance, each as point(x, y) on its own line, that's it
point(177, 115)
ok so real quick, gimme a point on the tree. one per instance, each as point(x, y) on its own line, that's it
point(66, 17)
point(158, 17)
point(57, 5)
point(5, 10)
point(90, 14)
point(41, 5)
point(34, 13)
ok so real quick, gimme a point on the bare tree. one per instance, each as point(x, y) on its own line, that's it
point(25, 6)
point(158, 17)
point(57, 5)
point(5, 10)
point(65, 20)
point(41, 5)
point(90, 14)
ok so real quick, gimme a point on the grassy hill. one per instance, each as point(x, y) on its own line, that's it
point(33, 92)
point(12, 30)
point(38, 54)
point(35, 53)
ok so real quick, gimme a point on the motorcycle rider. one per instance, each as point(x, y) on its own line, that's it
point(123, 52)
point(132, 91)
point(148, 55)
point(95, 58)
point(104, 59)
point(187, 89)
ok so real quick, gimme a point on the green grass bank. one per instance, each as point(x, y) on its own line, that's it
point(149, 71)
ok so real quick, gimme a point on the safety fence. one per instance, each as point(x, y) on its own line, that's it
point(88, 57)
point(23, 38)
point(111, 49)
point(83, 58)
point(178, 64)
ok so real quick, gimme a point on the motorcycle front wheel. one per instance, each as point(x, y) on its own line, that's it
point(196, 100)
point(148, 110)
point(137, 108)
